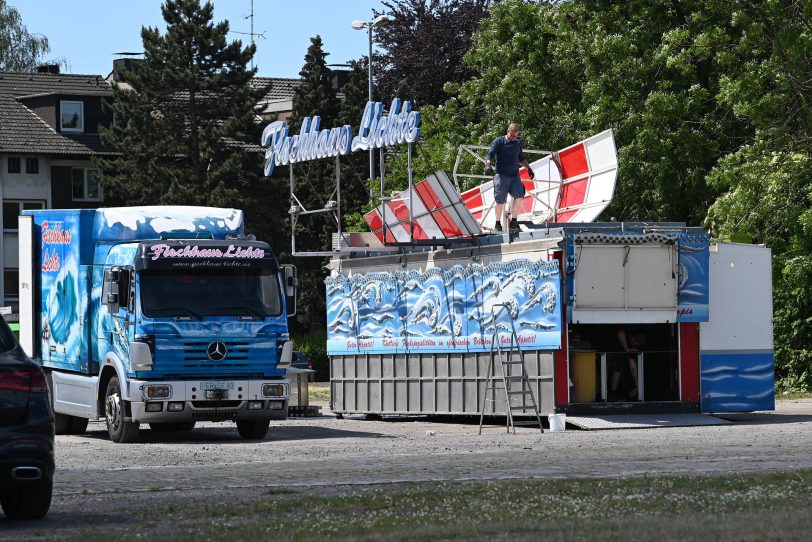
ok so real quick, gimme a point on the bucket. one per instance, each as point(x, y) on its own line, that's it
point(558, 422)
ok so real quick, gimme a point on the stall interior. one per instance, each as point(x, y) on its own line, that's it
point(620, 363)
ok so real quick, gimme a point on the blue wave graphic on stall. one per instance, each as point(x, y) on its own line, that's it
point(437, 310)
point(693, 287)
point(737, 381)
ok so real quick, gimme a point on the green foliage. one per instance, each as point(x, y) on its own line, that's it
point(19, 49)
point(187, 135)
point(423, 45)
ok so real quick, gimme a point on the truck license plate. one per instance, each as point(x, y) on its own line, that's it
point(217, 385)
point(216, 395)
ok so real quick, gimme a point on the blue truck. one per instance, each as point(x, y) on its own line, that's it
point(159, 315)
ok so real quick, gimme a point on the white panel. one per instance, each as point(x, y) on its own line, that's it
point(75, 394)
point(651, 278)
point(26, 245)
point(618, 316)
point(601, 150)
point(401, 234)
point(741, 305)
point(601, 187)
point(589, 214)
point(599, 277)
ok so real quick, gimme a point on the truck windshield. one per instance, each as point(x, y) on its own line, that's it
point(240, 292)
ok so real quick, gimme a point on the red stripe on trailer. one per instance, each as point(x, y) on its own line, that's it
point(574, 193)
point(417, 232)
point(561, 372)
point(427, 195)
point(374, 220)
point(446, 224)
point(472, 198)
point(399, 209)
point(689, 361)
point(573, 161)
point(565, 216)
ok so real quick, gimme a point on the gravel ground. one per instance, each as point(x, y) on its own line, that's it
point(96, 480)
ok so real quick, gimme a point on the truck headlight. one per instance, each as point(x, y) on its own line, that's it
point(158, 391)
point(273, 390)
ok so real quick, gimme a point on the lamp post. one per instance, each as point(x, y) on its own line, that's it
point(360, 25)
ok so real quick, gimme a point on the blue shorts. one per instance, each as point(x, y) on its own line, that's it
point(507, 184)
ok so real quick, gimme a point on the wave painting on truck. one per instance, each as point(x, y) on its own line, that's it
point(445, 310)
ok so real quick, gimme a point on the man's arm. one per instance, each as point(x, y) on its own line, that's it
point(492, 152)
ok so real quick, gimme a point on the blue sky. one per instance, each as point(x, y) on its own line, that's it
point(87, 32)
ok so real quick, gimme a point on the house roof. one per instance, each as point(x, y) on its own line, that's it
point(281, 88)
point(23, 131)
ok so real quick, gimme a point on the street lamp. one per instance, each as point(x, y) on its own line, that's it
point(360, 25)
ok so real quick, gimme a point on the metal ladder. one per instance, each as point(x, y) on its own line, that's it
point(508, 360)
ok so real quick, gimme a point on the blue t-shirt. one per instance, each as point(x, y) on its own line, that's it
point(508, 155)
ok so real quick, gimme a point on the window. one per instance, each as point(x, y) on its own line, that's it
point(32, 165)
point(72, 116)
point(86, 184)
point(11, 281)
point(13, 208)
point(13, 164)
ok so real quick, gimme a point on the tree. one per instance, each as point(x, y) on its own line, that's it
point(767, 190)
point(424, 44)
point(19, 49)
point(186, 130)
point(313, 181)
point(356, 188)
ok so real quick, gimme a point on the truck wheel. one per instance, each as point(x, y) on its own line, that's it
point(65, 424)
point(28, 502)
point(62, 424)
point(120, 430)
point(78, 426)
point(253, 429)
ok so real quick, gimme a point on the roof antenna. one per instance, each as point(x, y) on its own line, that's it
point(251, 33)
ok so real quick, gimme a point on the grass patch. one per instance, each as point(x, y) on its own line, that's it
point(319, 393)
point(741, 507)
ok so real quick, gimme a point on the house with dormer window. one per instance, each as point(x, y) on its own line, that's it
point(49, 132)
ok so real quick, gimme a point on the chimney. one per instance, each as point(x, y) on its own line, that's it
point(48, 68)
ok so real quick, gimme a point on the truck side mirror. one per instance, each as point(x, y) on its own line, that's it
point(110, 290)
point(290, 282)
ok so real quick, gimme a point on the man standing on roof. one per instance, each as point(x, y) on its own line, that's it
point(507, 150)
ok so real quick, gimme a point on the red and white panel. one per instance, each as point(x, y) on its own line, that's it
point(437, 211)
point(573, 185)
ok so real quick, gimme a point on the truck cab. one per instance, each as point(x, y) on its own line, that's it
point(158, 325)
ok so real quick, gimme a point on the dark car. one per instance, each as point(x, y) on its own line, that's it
point(26, 433)
point(301, 361)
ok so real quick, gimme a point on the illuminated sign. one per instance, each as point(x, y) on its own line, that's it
point(401, 125)
point(309, 144)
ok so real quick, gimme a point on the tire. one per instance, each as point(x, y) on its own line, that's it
point(120, 430)
point(28, 502)
point(65, 424)
point(78, 426)
point(253, 429)
point(62, 424)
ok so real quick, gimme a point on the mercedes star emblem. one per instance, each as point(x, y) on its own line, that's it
point(217, 351)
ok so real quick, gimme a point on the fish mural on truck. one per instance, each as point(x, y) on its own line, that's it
point(445, 310)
